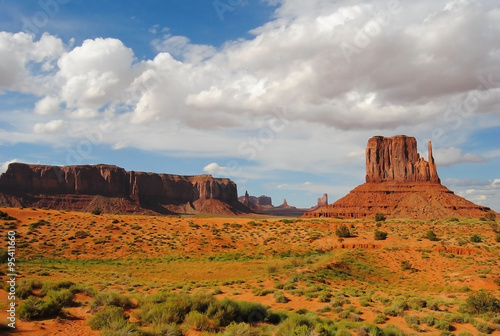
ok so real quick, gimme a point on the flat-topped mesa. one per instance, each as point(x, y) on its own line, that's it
point(396, 159)
point(79, 187)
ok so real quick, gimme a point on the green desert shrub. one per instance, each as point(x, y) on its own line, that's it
point(380, 235)
point(197, 321)
point(380, 319)
point(442, 324)
point(111, 317)
point(5, 216)
point(171, 329)
point(63, 298)
point(417, 303)
point(35, 308)
point(406, 265)
point(251, 312)
point(111, 299)
point(343, 232)
point(475, 238)
point(392, 330)
point(379, 217)
point(127, 330)
point(83, 289)
point(239, 329)
point(481, 302)
point(397, 308)
point(96, 212)
point(304, 325)
point(431, 236)
point(48, 286)
point(223, 312)
point(280, 297)
point(412, 320)
point(483, 327)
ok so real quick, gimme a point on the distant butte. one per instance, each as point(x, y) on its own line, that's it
point(112, 189)
point(400, 184)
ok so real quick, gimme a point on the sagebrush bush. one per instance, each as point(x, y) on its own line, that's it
point(379, 217)
point(34, 308)
point(280, 297)
point(111, 299)
point(397, 308)
point(48, 286)
point(197, 321)
point(304, 325)
point(380, 235)
point(63, 298)
point(171, 329)
point(161, 313)
point(239, 329)
point(475, 238)
point(431, 236)
point(343, 232)
point(111, 317)
point(482, 302)
point(380, 319)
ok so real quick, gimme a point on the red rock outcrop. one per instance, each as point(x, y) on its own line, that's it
point(401, 184)
point(113, 189)
point(396, 159)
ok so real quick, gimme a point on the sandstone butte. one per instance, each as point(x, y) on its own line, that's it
point(112, 189)
point(400, 184)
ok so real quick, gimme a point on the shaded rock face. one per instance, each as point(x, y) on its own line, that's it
point(256, 203)
point(323, 200)
point(265, 200)
point(32, 185)
point(396, 159)
point(401, 184)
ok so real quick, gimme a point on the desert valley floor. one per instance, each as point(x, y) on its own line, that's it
point(430, 277)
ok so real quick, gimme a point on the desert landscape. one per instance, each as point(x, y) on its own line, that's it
point(87, 274)
point(250, 168)
point(403, 256)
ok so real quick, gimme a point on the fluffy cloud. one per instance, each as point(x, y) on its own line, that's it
point(342, 70)
point(53, 126)
point(47, 105)
point(17, 51)
point(95, 73)
point(450, 156)
point(214, 168)
point(481, 192)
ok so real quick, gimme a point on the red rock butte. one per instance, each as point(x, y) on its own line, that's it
point(400, 184)
point(114, 190)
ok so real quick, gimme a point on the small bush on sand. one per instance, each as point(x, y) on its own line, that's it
point(343, 232)
point(380, 235)
point(197, 321)
point(482, 302)
point(108, 318)
point(34, 308)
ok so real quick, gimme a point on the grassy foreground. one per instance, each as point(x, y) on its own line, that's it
point(85, 274)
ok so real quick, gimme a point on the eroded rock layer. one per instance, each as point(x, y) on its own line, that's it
point(113, 189)
point(400, 184)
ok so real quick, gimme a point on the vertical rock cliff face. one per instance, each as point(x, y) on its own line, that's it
point(399, 183)
point(396, 159)
point(323, 200)
point(32, 185)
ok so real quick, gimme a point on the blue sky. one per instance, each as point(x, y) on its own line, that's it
point(279, 95)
